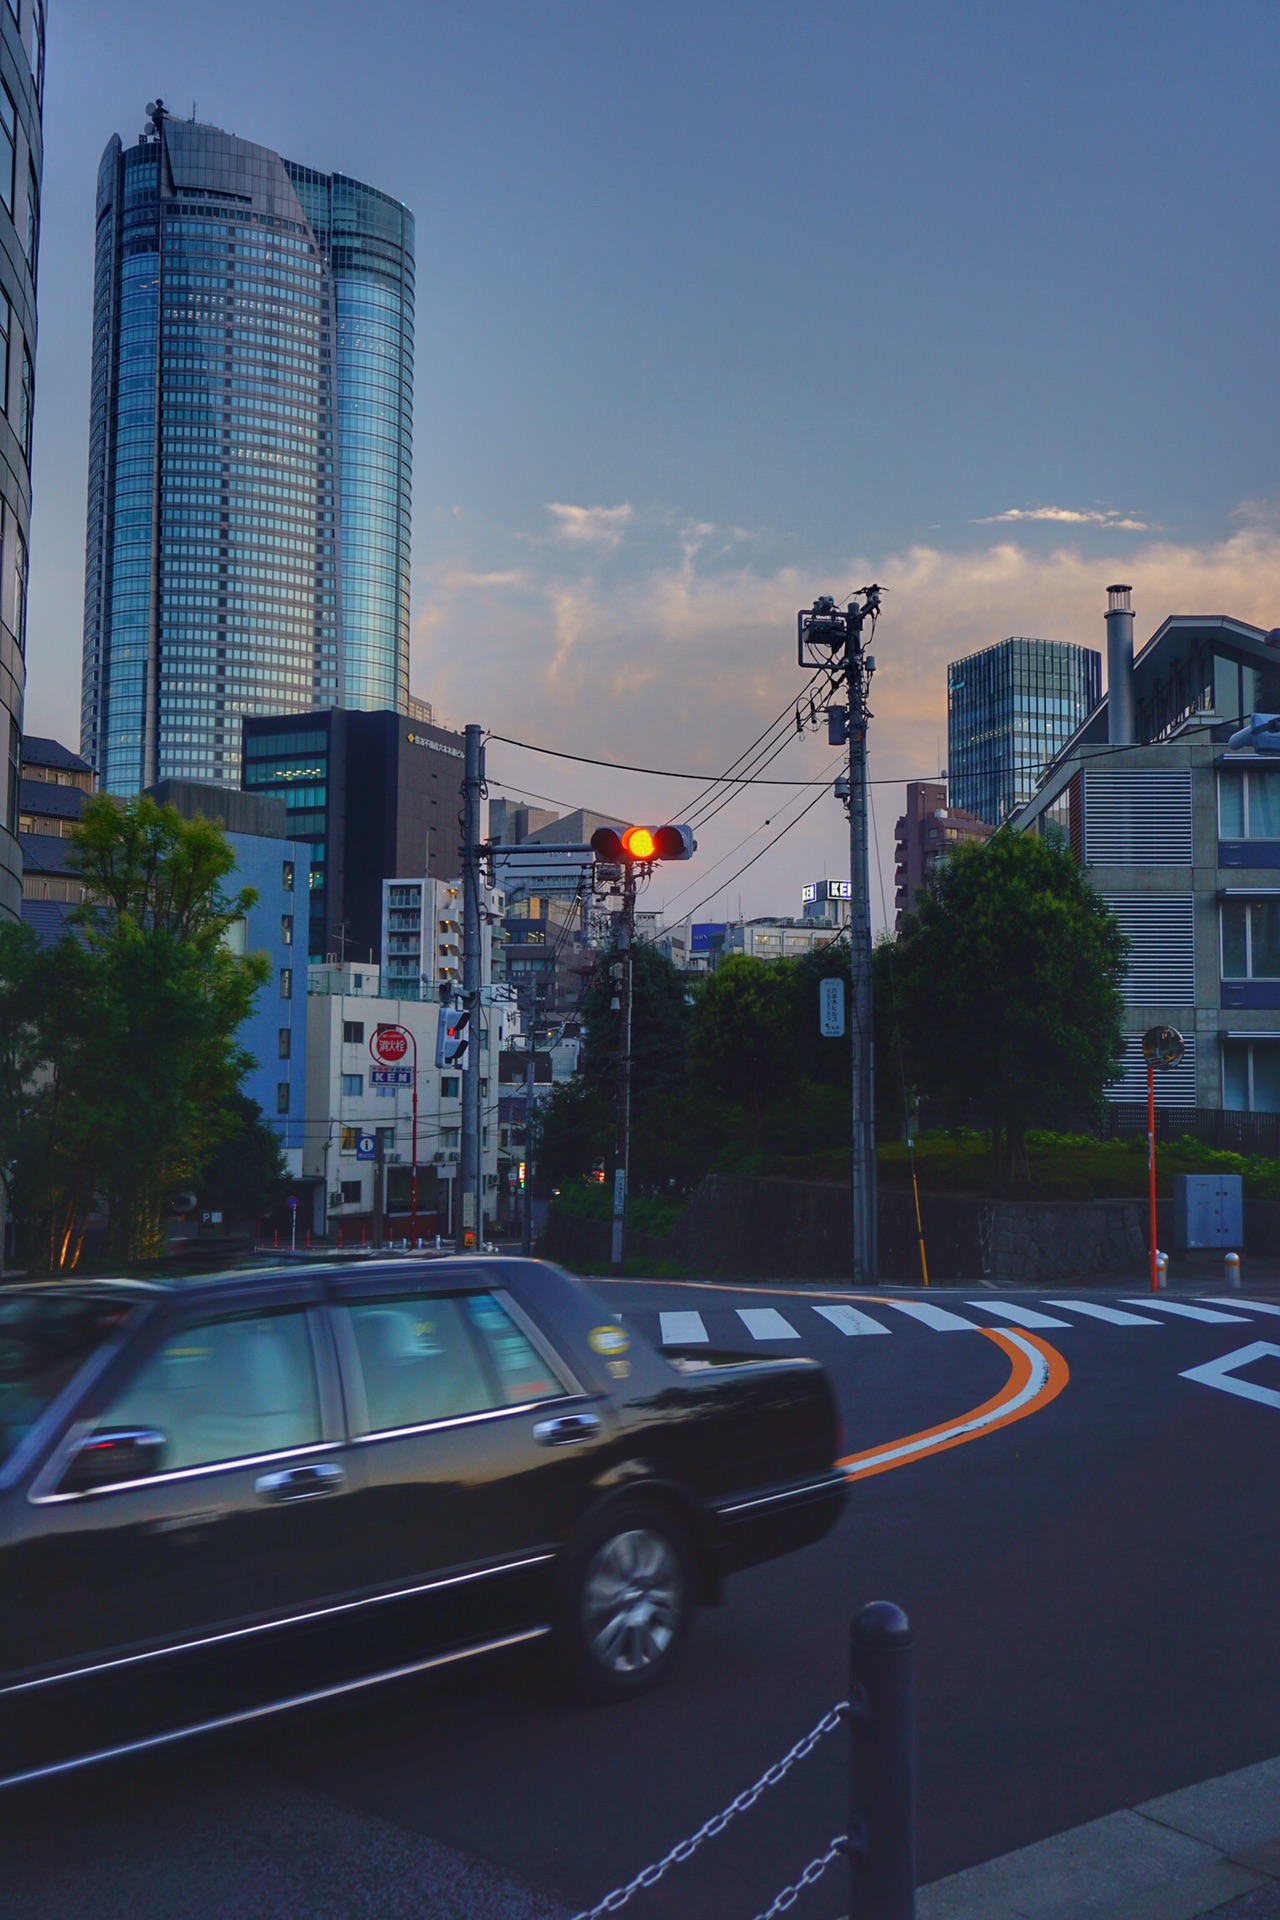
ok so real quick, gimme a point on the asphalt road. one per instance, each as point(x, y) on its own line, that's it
point(1093, 1578)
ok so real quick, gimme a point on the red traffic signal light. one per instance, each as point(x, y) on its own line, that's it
point(641, 846)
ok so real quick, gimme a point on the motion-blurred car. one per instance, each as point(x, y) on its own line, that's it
point(222, 1498)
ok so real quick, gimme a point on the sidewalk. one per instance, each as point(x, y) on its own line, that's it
point(1209, 1849)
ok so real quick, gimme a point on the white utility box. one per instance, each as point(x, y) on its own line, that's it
point(1208, 1210)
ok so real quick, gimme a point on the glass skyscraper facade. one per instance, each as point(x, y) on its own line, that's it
point(1010, 709)
point(248, 422)
point(22, 26)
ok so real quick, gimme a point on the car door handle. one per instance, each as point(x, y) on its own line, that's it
point(566, 1428)
point(301, 1483)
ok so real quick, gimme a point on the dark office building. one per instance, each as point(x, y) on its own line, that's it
point(375, 795)
point(55, 785)
point(21, 96)
point(1010, 709)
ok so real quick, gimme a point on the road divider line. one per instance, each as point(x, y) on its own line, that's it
point(1037, 1375)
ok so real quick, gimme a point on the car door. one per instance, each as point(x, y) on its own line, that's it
point(236, 1530)
point(474, 1448)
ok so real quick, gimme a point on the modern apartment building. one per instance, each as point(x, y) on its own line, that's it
point(924, 835)
point(22, 25)
point(1010, 709)
point(249, 451)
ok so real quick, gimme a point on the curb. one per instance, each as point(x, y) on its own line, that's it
point(1198, 1851)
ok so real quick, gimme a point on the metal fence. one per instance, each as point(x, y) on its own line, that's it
point(1252, 1133)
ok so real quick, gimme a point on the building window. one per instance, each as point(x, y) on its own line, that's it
point(1251, 939)
point(352, 1086)
point(351, 1193)
point(286, 929)
point(349, 1139)
point(353, 1033)
point(1251, 1076)
point(8, 145)
point(19, 588)
point(286, 983)
point(448, 1136)
point(287, 876)
point(449, 1086)
point(1249, 803)
point(28, 402)
point(282, 1096)
point(285, 1042)
point(33, 216)
point(14, 796)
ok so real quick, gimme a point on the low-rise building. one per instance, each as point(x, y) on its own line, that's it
point(55, 784)
point(925, 834)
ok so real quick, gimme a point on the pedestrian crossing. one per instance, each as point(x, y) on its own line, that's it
point(688, 1327)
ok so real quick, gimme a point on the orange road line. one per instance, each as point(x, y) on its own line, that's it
point(1037, 1375)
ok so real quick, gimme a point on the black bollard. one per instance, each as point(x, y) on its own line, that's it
point(882, 1765)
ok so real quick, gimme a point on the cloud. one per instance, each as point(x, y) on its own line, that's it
point(1069, 516)
point(686, 657)
point(590, 526)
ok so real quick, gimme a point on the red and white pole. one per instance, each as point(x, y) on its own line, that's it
point(1151, 1168)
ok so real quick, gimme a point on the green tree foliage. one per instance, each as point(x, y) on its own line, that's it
point(120, 1055)
point(246, 1174)
point(743, 1036)
point(1008, 985)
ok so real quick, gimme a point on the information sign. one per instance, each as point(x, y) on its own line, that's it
point(831, 1009)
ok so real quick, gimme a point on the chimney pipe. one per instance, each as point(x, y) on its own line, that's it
point(1120, 722)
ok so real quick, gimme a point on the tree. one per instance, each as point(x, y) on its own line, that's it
point(119, 1043)
point(246, 1174)
point(743, 1036)
point(1008, 980)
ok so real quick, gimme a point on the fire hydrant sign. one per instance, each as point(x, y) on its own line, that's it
point(831, 1009)
point(390, 1044)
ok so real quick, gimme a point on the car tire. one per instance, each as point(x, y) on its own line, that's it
point(625, 1600)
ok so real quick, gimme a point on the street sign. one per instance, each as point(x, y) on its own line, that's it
point(389, 1044)
point(367, 1147)
point(293, 1201)
point(831, 1009)
point(1162, 1046)
point(391, 1076)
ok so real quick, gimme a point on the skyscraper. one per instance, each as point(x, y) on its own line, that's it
point(1009, 709)
point(21, 158)
point(249, 451)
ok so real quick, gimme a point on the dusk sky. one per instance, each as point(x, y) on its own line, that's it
point(722, 306)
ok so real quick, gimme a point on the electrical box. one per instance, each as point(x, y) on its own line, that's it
point(1208, 1210)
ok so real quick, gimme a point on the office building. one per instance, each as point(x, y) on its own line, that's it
point(55, 785)
point(1180, 834)
point(375, 796)
point(827, 901)
point(249, 465)
point(21, 161)
point(1010, 709)
point(923, 836)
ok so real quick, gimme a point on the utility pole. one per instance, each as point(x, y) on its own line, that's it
point(526, 1197)
point(622, 1150)
point(379, 1188)
point(832, 639)
point(470, 1155)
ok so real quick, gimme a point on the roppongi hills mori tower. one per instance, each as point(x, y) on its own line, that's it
point(250, 459)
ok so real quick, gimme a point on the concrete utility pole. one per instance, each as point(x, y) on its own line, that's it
point(828, 637)
point(470, 1187)
point(379, 1188)
point(622, 1152)
point(526, 1197)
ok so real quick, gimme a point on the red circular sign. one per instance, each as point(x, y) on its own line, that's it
point(390, 1043)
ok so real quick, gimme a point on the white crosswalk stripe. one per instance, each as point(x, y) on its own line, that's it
point(850, 1321)
point(1245, 1306)
point(1191, 1313)
point(682, 1329)
point(1020, 1316)
point(1095, 1312)
point(766, 1323)
point(936, 1317)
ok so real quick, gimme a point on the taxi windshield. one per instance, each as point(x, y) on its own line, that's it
point(45, 1338)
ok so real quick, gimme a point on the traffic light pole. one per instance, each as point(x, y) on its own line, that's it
point(469, 1191)
point(858, 677)
point(622, 1152)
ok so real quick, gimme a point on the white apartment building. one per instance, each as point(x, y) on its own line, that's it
point(346, 1107)
point(422, 935)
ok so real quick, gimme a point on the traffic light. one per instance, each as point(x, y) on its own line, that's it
point(451, 1037)
point(642, 846)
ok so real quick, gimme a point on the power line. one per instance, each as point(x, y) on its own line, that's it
point(670, 773)
point(823, 780)
point(757, 856)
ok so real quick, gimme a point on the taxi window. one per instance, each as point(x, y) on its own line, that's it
point(522, 1372)
point(418, 1360)
point(226, 1389)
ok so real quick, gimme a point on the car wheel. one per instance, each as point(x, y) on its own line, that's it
point(626, 1601)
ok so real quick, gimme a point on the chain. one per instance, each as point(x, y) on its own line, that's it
point(650, 1876)
point(814, 1871)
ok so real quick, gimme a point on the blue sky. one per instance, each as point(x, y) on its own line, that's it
point(721, 306)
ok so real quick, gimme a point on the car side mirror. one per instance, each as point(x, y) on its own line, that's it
point(111, 1455)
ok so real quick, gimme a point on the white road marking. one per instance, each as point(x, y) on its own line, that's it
point(1191, 1313)
point(1246, 1306)
point(1113, 1314)
point(936, 1317)
point(682, 1329)
point(766, 1323)
point(849, 1320)
point(1021, 1316)
point(1221, 1373)
point(1001, 1412)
